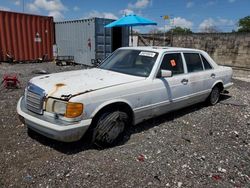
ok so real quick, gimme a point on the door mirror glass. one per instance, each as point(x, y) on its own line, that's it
point(166, 73)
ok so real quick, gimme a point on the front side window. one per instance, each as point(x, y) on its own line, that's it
point(132, 62)
point(173, 62)
point(193, 61)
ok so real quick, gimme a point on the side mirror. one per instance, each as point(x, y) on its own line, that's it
point(165, 73)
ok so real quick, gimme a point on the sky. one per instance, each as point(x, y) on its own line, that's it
point(197, 15)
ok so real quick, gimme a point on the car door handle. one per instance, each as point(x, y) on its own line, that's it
point(213, 75)
point(184, 81)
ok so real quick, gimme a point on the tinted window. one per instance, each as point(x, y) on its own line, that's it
point(207, 65)
point(193, 61)
point(173, 62)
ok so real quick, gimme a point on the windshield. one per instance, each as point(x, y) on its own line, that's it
point(133, 62)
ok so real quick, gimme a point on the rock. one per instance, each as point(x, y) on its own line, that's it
point(152, 132)
point(186, 139)
point(236, 133)
point(28, 177)
point(150, 183)
point(157, 178)
point(184, 166)
point(222, 170)
point(179, 184)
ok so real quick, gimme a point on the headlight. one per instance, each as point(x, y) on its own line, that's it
point(59, 107)
point(66, 109)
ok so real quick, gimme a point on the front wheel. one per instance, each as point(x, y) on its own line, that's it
point(214, 95)
point(109, 128)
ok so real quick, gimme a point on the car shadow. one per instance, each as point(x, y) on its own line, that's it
point(83, 144)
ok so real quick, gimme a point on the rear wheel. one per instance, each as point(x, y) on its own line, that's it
point(109, 128)
point(214, 95)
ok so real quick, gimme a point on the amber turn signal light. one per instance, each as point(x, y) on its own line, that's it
point(74, 110)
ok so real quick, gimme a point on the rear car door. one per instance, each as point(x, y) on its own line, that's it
point(196, 77)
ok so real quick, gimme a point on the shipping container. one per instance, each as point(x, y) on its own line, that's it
point(26, 37)
point(88, 39)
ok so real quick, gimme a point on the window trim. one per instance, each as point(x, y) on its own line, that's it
point(207, 61)
point(173, 52)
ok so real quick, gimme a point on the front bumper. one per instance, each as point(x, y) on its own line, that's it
point(51, 127)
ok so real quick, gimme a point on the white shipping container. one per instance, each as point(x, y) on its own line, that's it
point(88, 39)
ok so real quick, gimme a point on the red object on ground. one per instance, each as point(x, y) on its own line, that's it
point(10, 81)
point(217, 177)
point(141, 158)
point(25, 37)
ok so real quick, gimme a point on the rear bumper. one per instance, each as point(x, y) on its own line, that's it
point(52, 128)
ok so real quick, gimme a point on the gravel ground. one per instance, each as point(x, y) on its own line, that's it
point(199, 146)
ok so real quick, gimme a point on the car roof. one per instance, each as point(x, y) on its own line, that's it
point(161, 49)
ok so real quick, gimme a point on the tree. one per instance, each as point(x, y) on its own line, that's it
point(244, 24)
point(180, 30)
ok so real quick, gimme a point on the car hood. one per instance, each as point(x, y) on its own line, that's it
point(68, 84)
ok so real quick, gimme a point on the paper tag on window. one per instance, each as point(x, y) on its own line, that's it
point(173, 63)
point(148, 54)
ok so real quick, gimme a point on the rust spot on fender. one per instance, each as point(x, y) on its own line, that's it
point(60, 85)
point(56, 88)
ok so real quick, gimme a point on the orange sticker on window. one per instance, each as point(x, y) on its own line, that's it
point(173, 63)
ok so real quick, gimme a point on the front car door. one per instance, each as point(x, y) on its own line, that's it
point(171, 93)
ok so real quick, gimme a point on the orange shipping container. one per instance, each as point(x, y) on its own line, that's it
point(26, 37)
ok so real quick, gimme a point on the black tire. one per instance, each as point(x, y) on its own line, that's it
point(109, 128)
point(214, 96)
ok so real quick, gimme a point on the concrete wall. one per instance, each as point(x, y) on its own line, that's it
point(231, 49)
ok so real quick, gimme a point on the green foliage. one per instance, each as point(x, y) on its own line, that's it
point(180, 30)
point(244, 24)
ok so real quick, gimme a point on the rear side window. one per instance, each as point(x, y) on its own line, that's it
point(194, 63)
point(207, 65)
point(173, 62)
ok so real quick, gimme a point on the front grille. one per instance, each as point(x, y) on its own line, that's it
point(34, 98)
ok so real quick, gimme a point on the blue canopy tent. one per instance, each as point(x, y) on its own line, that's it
point(130, 21)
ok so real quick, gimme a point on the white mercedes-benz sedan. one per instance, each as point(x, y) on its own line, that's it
point(130, 86)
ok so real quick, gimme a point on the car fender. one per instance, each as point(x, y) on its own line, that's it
point(106, 103)
point(216, 82)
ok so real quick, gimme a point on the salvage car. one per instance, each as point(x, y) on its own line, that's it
point(132, 85)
